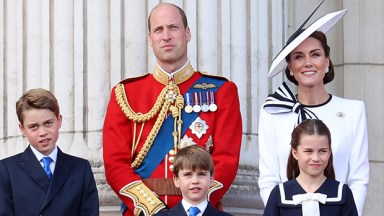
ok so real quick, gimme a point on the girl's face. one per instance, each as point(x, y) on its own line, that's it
point(312, 154)
point(308, 63)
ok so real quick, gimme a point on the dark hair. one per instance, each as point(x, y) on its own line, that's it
point(308, 127)
point(37, 98)
point(181, 11)
point(194, 158)
point(320, 36)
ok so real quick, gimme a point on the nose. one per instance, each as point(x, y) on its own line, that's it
point(308, 62)
point(195, 179)
point(316, 157)
point(166, 35)
point(42, 131)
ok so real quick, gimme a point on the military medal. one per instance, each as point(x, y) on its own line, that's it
point(212, 105)
point(199, 127)
point(188, 108)
point(203, 99)
point(196, 103)
point(186, 141)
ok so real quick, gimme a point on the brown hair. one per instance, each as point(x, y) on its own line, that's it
point(37, 98)
point(308, 127)
point(194, 158)
point(320, 36)
point(181, 11)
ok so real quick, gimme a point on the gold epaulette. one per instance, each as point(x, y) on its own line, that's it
point(214, 187)
point(144, 199)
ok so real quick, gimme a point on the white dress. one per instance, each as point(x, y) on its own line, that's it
point(346, 121)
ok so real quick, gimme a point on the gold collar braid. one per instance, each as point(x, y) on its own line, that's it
point(169, 99)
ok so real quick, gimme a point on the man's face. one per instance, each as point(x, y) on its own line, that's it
point(168, 37)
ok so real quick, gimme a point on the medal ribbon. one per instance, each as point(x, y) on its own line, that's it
point(163, 142)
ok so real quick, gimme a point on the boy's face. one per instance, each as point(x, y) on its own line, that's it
point(41, 127)
point(194, 185)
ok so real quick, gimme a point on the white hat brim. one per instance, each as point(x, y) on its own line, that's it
point(323, 24)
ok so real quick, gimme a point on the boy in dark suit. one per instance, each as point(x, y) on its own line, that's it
point(43, 180)
point(193, 174)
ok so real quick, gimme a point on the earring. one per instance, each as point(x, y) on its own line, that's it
point(290, 73)
point(327, 70)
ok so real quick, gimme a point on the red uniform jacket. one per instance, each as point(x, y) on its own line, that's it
point(225, 130)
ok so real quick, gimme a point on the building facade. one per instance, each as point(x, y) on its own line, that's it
point(80, 49)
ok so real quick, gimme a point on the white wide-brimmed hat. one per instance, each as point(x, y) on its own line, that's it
point(323, 24)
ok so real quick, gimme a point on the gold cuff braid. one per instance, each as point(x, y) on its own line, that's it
point(143, 198)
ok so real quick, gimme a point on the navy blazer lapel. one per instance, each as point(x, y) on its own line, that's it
point(210, 210)
point(60, 175)
point(33, 168)
point(178, 210)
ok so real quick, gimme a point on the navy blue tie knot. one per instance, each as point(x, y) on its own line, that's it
point(193, 211)
point(47, 161)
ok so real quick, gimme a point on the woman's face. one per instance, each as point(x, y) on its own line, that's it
point(308, 63)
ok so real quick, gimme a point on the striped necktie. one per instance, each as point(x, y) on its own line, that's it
point(47, 161)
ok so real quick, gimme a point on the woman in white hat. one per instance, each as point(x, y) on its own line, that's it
point(306, 61)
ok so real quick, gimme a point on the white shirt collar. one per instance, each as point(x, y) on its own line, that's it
point(40, 156)
point(170, 75)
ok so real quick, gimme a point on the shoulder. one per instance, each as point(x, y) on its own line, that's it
point(210, 211)
point(205, 74)
point(73, 159)
point(11, 159)
point(134, 79)
point(346, 102)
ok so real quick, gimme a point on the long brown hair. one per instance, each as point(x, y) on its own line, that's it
point(309, 127)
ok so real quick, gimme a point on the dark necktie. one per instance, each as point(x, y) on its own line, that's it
point(193, 211)
point(47, 161)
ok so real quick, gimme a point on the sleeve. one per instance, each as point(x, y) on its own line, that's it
point(349, 209)
point(268, 157)
point(358, 177)
point(227, 137)
point(6, 199)
point(272, 208)
point(117, 138)
point(90, 200)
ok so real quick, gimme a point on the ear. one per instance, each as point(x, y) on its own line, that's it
point(212, 180)
point(294, 153)
point(176, 181)
point(59, 120)
point(188, 33)
point(149, 39)
point(289, 66)
point(22, 129)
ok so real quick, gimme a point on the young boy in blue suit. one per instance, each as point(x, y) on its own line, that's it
point(193, 174)
point(43, 180)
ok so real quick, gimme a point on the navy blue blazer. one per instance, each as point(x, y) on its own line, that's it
point(178, 210)
point(25, 189)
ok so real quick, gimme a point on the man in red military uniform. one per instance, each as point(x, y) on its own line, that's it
point(150, 117)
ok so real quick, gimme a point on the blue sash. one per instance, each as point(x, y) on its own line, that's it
point(163, 142)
